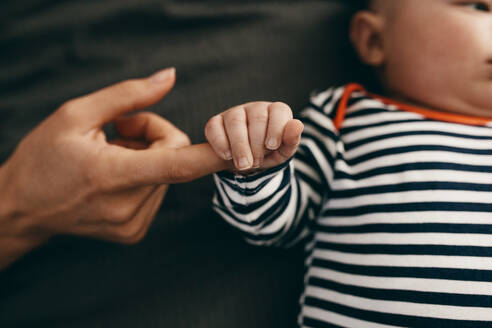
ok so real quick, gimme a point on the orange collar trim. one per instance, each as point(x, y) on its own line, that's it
point(428, 113)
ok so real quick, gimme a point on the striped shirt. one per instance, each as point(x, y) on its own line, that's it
point(395, 203)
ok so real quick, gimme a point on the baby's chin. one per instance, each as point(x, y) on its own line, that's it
point(472, 99)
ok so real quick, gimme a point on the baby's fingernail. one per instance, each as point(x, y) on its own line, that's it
point(272, 143)
point(243, 163)
point(256, 163)
point(227, 155)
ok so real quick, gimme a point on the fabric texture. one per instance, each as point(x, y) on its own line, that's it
point(192, 270)
point(397, 207)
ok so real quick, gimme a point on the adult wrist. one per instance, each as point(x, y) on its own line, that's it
point(14, 219)
point(17, 233)
point(9, 209)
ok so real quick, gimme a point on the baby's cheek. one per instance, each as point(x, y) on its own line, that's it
point(440, 59)
point(456, 41)
point(425, 59)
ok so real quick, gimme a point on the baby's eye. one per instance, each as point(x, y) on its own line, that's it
point(481, 6)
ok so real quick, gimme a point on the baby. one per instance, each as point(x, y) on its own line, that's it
point(393, 193)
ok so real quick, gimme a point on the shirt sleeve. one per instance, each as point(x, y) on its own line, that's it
point(279, 207)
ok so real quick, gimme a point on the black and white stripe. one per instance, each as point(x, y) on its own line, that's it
point(399, 208)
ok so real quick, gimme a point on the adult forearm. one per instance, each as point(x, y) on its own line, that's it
point(16, 236)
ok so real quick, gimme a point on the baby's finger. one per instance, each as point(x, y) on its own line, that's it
point(237, 132)
point(257, 126)
point(279, 115)
point(290, 142)
point(292, 134)
point(217, 137)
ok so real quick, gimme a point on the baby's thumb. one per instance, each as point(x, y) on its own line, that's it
point(290, 141)
point(292, 134)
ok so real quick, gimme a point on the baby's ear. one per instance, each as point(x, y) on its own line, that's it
point(366, 34)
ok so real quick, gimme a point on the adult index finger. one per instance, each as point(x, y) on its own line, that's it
point(103, 106)
point(167, 165)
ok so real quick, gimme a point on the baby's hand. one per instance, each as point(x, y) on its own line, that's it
point(257, 135)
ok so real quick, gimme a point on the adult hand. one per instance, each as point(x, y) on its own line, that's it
point(65, 177)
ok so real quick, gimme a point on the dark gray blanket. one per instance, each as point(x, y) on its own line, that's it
point(192, 270)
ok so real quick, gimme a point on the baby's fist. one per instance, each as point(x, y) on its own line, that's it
point(257, 135)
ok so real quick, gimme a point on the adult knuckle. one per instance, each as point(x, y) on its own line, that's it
point(179, 139)
point(69, 110)
point(68, 105)
point(96, 174)
point(90, 175)
point(182, 139)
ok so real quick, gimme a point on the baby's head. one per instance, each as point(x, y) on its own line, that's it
point(434, 53)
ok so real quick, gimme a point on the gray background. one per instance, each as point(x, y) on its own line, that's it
point(192, 270)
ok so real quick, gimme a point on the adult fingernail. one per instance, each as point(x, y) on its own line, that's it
point(163, 75)
point(272, 143)
point(243, 163)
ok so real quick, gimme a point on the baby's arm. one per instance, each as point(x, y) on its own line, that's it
point(276, 205)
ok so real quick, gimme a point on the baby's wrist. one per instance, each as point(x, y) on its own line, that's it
point(246, 173)
point(253, 174)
